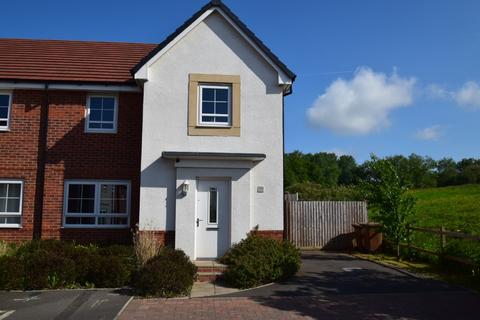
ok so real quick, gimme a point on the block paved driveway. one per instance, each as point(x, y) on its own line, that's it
point(328, 286)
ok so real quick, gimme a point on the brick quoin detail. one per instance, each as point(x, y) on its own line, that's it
point(71, 154)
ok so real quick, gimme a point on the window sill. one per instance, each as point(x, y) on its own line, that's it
point(11, 226)
point(101, 131)
point(5, 130)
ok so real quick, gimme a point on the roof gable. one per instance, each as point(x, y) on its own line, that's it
point(285, 75)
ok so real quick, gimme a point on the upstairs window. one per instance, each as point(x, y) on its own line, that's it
point(10, 203)
point(215, 105)
point(5, 106)
point(101, 114)
point(97, 204)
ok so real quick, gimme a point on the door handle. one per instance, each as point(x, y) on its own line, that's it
point(198, 221)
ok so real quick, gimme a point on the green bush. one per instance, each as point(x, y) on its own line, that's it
point(110, 271)
point(59, 264)
point(256, 260)
point(11, 272)
point(308, 191)
point(48, 270)
point(169, 274)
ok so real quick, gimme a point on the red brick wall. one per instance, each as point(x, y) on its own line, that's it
point(19, 154)
point(272, 234)
point(71, 154)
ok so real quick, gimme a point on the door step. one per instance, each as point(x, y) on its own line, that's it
point(209, 270)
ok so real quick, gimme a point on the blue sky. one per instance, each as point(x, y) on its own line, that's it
point(410, 70)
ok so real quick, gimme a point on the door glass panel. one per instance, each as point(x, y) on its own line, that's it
point(212, 214)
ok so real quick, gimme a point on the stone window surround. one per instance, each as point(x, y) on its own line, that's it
point(194, 129)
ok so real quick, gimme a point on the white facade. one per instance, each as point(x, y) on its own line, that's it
point(211, 46)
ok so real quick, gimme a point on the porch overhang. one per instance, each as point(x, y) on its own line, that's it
point(185, 155)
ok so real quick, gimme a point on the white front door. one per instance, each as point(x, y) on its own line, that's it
point(212, 224)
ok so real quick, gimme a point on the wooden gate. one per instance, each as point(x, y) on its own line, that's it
point(323, 224)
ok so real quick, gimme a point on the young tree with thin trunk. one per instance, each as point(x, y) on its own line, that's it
point(391, 205)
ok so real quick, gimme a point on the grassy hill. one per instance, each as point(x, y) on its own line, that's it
point(456, 208)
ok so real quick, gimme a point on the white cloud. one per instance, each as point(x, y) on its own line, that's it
point(436, 91)
point(430, 133)
point(468, 95)
point(362, 104)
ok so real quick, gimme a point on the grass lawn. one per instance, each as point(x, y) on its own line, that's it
point(456, 208)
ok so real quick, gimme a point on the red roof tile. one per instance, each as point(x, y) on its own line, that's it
point(74, 61)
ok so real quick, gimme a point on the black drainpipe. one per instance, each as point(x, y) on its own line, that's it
point(41, 160)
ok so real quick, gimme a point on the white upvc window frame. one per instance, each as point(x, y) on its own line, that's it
point(20, 208)
point(115, 114)
point(209, 223)
point(96, 214)
point(227, 124)
point(9, 110)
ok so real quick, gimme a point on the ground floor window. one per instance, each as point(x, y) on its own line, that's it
point(11, 193)
point(100, 204)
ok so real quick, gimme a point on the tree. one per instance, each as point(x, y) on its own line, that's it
point(392, 205)
point(347, 167)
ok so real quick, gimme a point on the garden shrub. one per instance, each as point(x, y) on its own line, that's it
point(48, 270)
point(256, 260)
point(11, 272)
point(110, 271)
point(169, 274)
point(55, 264)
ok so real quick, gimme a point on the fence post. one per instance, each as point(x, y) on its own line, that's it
point(443, 240)
point(409, 240)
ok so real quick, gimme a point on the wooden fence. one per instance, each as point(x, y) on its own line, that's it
point(323, 224)
point(442, 241)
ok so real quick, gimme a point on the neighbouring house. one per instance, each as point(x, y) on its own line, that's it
point(184, 138)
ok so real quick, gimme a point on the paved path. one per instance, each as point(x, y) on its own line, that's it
point(61, 304)
point(328, 286)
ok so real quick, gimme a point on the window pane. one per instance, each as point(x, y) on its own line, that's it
point(80, 220)
point(3, 112)
point(222, 108)
point(96, 103)
point(95, 115)
point(208, 94)
point(208, 107)
point(212, 217)
point(221, 119)
point(94, 125)
point(3, 190)
point(207, 119)
point(107, 125)
point(113, 199)
point(13, 205)
point(107, 115)
point(4, 100)
point(3, 123)
point(3, 205)
point(88, 206)
point(120, 206)
point(14, 190)
point(221, 95)
point(74, 206)
point(121, 191)
point(106, 206)
point(112, 220)
point(10, 220)
point(88, 191)
point(75, 191)
point(108, 103)
point(13, 220)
